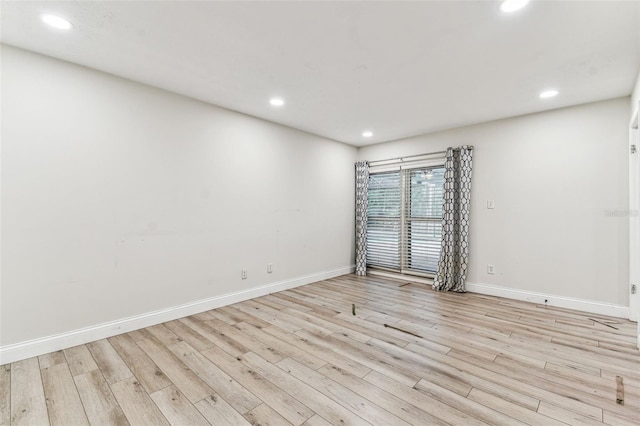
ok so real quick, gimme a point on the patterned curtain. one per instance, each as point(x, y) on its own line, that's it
point(454, 255)
point(362, 189)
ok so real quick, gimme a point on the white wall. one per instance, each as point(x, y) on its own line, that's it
point(120, 199)
point(553, 177)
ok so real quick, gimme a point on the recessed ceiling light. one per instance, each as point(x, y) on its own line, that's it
point(367, 133)
point(276, 101)
point(548, 94)
point(56, 22)
point(509, 6)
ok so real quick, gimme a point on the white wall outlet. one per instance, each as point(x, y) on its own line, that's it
point(490, 269)
point(243, 274)
point(490, 204)
point(269, 268)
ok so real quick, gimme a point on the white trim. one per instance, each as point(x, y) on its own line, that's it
point(634, 225)
point(410, 165)
point(408, 159)
point(634, 220)
point(434, 162)
point(600, 308)
point(35, 347)
point(399, 276)
point(384, 168)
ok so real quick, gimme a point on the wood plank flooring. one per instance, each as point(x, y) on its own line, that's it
point(300, 357)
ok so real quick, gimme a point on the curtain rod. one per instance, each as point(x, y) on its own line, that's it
point(407, 158)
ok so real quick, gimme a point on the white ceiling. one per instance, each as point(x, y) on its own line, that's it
point(396, 68)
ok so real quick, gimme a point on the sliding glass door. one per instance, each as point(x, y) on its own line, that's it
point(404, 222)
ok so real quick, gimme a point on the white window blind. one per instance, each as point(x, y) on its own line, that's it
point(404, 223)
point(383, 220)
point(423, 219)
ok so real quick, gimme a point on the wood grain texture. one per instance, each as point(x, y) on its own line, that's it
point(136, 403)
point(51, 359)
point(80, 360)
point(264, 415)
point(61, 394)
point(278, 399)
point(198, 341)
point(177, 408)
point(28, 406)
point(300, 357)
point(143, 367)
point(217, 411)
point(110, 363)
point(99, 403)
point(316, 421)
point(407, 412)
point(302, 391)
point(341, 394)
point(237, 395)
point(5, 395)
point(179, 374)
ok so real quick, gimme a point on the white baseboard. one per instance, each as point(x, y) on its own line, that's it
point(35, 347)
point(591, 306)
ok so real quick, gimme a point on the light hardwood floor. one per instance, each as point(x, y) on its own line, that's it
point(301, 357)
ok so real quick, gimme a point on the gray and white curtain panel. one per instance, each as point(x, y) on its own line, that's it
point(362, 189)
point(454, 254)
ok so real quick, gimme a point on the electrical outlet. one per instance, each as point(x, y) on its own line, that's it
point(490, 269)
point(269, 268)
point(243, 274)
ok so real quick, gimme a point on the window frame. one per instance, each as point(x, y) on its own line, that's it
point(404, 171)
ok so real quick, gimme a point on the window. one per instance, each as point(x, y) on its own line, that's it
point(404, 220)
point(383, 220)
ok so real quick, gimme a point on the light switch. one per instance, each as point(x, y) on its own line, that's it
point(490, 204)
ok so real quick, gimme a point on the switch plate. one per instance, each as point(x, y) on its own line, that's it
point(490, 269)
point(269, 268)
point(243, 274)
point(490, 204)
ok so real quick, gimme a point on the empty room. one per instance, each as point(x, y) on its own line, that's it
point(319, 213)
